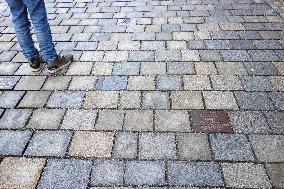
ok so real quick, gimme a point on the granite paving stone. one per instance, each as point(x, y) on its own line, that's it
point(277, 83)
point(138, 120)
point(144, 173)
point(80, 68)
point(268, 148)
point(126, 68)
point(220, 100)
point(22, 173)
point(194, 173)
point(8, 82)
point(102, 68)
point(13, 142)
point(196, 82)
point(180, 68)
point(65, 173)
point(82, 83)
point(193, 146)
point(91, 144)
point(141, 83)
point(253, 101)
point(77, 119)
point(249, 122)
point(245, 175)
point(157, 146)
point(276, 174)
point(166, 82)
point(107, 173)
point(256, 83)
point(130, 100)
point(125, 145)
point(280, 67)
point(57, 143)
point(205, 68)
point(56, 83)
point(260, 68)
point(46, 118)
point(34, 99)
point(187, 100)
point(111, 83)
point(153, 68)
point(66, 99)
point(278, 100)
point(275, 121)
point(10, 99)
point(172, 120)
point(8, 68)
point(226, 82)
point(234, 147)
point(30, 83)
point(110, 120)
point(155, 100)
point(101, 99)
point(15, 118)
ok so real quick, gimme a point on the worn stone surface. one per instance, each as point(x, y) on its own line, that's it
point(159, 95)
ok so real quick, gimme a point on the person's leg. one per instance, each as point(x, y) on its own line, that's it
point(38, 15)
point(22, 28)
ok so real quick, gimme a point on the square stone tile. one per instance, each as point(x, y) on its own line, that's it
point(125, 145)
point(13, 142)
point(77, 119)
point(231, 147)
point(83, 83)
point(66, 99)
point(138, 120)
point(249, 122)
point(182, 173)
point(226, 82)
point(253, 101)
point(126, 68)
point(65, 173)
point(276, 174)
point(196, 82)
point(256, 83)
point(277, 83)
point(278, 99)
point(268, 148)
point(110, 120)
point(210, 121)
point(231, 68)
point(107, 173)
point(141, 83)
point(168, 82)
point(30, 83)
point(9, 99)
point(102, 68)
point(56, 83)
point(46, 119)
point(193, 146)
point(153, 68)
point(101, 99)
point(91, 144)
point(173, 120)
point(34, 99)
point(205, 68)
point(275, 121)
point(111, 83)
point(260, 68)
point(220, 100)
point(144, 173)
point(157, 146)
point(187, 100)
point(180, 68)
point(245, 175)
point(21, 173)
point(15, 118)
point(57, 143)
point(8, 82)
point(155, 100)
point(130, 100)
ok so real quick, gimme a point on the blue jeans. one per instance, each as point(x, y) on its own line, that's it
point(38, 15)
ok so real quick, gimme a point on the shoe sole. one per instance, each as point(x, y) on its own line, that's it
point(38, 69)
point(60, 68)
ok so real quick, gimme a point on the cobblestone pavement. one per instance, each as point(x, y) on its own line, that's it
point(164, 94)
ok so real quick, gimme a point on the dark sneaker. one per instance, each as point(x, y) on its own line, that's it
point(36, 63)
point(59, 63)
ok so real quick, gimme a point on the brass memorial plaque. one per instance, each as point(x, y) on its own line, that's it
point(210, 121)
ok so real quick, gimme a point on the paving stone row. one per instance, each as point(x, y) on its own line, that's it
point(162, 94)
